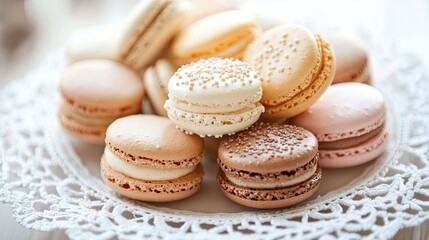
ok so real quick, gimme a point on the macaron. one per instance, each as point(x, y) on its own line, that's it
point(93, 94)
point(146, 158)
point(225, 34)
point(203, 8)
point(352, 59)
point(138, 39)
point(214, 97)
point(270, 165)
point(296, 66)
point(156, 78)
point(349, 121)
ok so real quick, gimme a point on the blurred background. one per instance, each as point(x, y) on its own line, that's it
point(30, 29)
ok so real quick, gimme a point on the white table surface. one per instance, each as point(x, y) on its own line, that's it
point(406, 21)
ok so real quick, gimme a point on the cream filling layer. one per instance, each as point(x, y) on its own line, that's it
point(85, 119)
point(271, 185)
point(144, 173)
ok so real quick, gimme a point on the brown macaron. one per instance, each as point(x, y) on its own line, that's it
point(270, 165)
point(147, 158)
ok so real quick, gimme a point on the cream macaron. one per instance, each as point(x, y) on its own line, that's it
point(147, 158)
point(138, 39)
point(296, 66)
point(155, 81)
point(95, 93)
point(214, 96)
point(225, 34)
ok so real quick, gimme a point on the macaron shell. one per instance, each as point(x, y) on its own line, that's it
point(216, 85)
point(268, 148)
point(148, 28)
point(153, 137)
point(269, 198)
point(203, 8)
point(226, 28)
point(156, 79)
point(93, 43)
point(88, 133)
point(308, 96)
point(345, 110)
point(286, 58)
point(101, 88)
point(352, 59)
point(152, 191)
point(214, 124)
point(357, 155)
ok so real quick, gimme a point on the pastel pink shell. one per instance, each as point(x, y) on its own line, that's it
point(357, 155)
point(345, 110)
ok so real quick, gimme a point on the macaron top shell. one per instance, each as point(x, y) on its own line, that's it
point(152, 137)
point(203, 36)
point(287, 58)
point(216, 82)
point(268, 147)
point(100, 84)
point(351, 55)
point(345, 110)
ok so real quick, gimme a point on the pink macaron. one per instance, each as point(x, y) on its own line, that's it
point(349, 123)
point(352, 59)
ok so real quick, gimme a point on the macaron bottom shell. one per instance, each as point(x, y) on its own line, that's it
point(152, 191)
point(214, 124)
point(269, 198)
point(356, 155)
point(89, 133)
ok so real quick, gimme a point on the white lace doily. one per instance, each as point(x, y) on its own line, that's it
point(48, 181)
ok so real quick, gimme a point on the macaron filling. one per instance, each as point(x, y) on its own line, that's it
point(350, 142)
point(269, 185)
point(144, 173)
point(215, 108)
point(285, 175)
point(83, 118)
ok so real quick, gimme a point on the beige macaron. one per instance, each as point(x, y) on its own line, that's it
point(94, 93)
point(296, 66)
point(138, 39)
point(147, 158)
point(156, 78)
point(225, 34)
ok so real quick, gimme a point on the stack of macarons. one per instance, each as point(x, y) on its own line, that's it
point(268, 96)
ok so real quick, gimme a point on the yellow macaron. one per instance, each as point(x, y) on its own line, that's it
point(225, 34)
point(296, 66)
